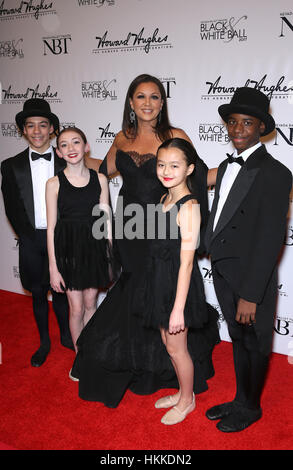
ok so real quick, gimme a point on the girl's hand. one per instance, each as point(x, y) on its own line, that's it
point(176, 322)
point(57, 282)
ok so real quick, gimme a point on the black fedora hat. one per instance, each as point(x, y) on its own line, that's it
point(36, 107)
point(252, 102)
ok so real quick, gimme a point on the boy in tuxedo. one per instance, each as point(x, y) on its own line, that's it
point(24, 179)
point(244, 236)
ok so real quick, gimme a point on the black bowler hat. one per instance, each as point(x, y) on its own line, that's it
point(252, 102)
point(36, 107)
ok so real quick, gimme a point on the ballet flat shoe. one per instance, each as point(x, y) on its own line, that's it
point(167, 402)
point(175, 416)
point(75, 379)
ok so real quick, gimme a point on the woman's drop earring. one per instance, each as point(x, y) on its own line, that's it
point(132, 116)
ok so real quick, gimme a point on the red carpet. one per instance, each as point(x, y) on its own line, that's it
point(40, 407)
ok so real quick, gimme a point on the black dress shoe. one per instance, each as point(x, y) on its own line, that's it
point(39, 357)
point(239, 420)
point(220, 411)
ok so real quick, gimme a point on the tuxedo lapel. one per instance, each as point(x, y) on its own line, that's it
point(59, 163)
point(240, 188)
point(209, 229)
point(23, 176)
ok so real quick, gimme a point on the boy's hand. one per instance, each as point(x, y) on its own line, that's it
point(245, 312)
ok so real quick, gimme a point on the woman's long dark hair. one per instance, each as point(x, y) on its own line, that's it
point(196, 181)
point(163, 126)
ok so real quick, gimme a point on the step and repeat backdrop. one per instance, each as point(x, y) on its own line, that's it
point(81, 55)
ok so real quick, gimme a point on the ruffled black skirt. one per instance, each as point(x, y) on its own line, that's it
point(159, 288)
point(117, 352)
point(83, 261)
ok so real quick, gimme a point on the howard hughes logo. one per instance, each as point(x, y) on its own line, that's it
point(99, 90)
point(31, 8)
point(133, 41)
point(207, 274)
point(106, 135)
point(11, 49)
point(9, 96)
point(279, 89)
point(223, 29)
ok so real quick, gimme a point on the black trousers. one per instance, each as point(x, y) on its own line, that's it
point(33, 261)
point(250, 363)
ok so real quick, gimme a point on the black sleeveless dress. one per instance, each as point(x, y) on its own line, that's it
point(116, 351)
point(161, 275)
point(82, 260)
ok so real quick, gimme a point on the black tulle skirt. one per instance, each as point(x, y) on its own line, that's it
point(158, 291)
point(117, 352)
point(83, 261)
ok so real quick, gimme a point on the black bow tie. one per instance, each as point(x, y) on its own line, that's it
point(238, 160)
point(36, 156)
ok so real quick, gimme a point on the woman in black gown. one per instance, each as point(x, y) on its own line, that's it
point(116, 352)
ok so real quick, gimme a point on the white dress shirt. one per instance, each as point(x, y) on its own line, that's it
point(228, 179)
point(41, 171)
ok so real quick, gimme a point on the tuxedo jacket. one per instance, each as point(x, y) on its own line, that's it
point(17, 189)
point(252, 225)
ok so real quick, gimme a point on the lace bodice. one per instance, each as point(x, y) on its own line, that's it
point(140, 182)
point(140, 158)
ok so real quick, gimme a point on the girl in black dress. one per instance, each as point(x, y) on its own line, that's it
point(115, 351)
point(78, 262)
point(174, 293)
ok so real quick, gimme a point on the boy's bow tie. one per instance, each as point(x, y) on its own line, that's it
point(232, 159)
